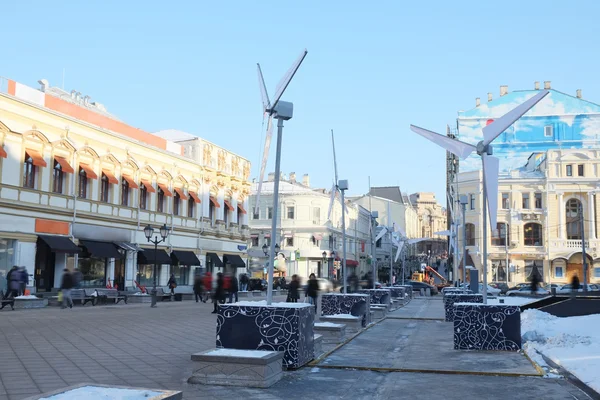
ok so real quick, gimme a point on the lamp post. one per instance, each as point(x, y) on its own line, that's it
point(463, 202)
point(343, 186)
point(265, 250)
point(148, 232)
point(324, 254)
point(374, 216)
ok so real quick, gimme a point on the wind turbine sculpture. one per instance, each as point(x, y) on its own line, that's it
point(491, 164)
point(281, 111)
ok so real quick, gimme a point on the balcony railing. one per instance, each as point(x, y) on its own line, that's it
point(571, 244)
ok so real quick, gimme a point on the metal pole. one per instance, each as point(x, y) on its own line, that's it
point(373, 258)
point(464, 260)
point(344, 279)
point(485, 255)
point(506, 247)
point(275, 211)
point(403, 262)
point(153, 304)
point(584, 256)
point(391, 258)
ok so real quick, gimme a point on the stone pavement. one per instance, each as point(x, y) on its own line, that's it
point(135, 345)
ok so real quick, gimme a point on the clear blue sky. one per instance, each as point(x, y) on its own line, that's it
point(372, 69)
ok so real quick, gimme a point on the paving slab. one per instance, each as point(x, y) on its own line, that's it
point(420, 308)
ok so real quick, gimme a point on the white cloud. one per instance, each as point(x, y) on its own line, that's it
point(590, 127)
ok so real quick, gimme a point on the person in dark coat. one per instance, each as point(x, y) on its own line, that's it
point(233, 289)
point(12, 282)
point(575, 286)
point(312, 289)
point(535, 282)
point(293, 292)
point(244, 282)
point(172, 284)
point(219, 295)
point(198, 286)
point(65, 286)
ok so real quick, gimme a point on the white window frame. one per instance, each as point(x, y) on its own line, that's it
point(548, 131)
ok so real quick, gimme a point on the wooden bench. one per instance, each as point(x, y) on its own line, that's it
point(110, 294)
point(84, 296)
point(7, 301)
point(330, 331)
point(229, 367)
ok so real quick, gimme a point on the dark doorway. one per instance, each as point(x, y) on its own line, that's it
point(119, 281)
point(44, 267)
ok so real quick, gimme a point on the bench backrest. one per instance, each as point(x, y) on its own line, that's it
point(160, 292)
point(78, 294)
point(110, 293)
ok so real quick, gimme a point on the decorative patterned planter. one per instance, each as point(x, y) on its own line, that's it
point(378, 296)
point(286, 327)
point(408, 289)
point(451, 298)
point(487, 327)
point(353, 303)
point(397, 291)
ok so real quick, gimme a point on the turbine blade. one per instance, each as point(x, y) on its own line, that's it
point(400, 246)
point(263, 164)
point(381, 233)
point(460, 149)
point(491, 168)
point(285, 81)
point(331, 200)
point(493, 130)
point(263, 89)
point(334, 159)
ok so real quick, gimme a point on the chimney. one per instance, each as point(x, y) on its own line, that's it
point(578, 93)
point(536, 85)
point(73, 94)
point(293, 177)
point(547, 85)
point(78, 96)
point(503, 90)
point(271, 177)
point(86, 100)
point(477, 101)
point(44, 83)
point(282, 176)
point(489, 97)
point(306, 180)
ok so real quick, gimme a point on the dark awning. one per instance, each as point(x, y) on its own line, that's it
point(128, 246)
point(101, 249)
point(147, 257)
point(234, 260)
point(183, 257)
point(60, 244)
point(214, 258)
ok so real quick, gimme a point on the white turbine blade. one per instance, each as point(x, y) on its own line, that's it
point(493, 130)
point(285, 81)
point(263, 89)
point(460, 149)
point(265, 158)
point(381, 233)
point(491, 168)
point(331, 200)
point(334, 159)
point(400, 245)
point(443, 233)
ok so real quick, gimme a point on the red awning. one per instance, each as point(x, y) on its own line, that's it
point(228, 205)
point(241, 208)
point(181, 194)
point(110, 176)
point(351, 263)
point(37, 158)
point(165, 189)
point(89, 172)
point(215, 202)
point(64, 164)
point(318, 236)
point(131, 182)
point(194, 196)
point(148, 185)
point(3, 152)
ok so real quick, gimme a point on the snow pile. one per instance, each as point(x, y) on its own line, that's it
point(28, 297)
point(103, 393)
point(263, 303)
point(573, 343)
point(240, 353)
point(326, 325)
point(341, 316)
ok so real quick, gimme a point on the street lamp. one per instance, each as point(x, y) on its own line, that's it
point(277, 248)
point(265, 249)
point(148, 232)
point(463, 202)
point(343, 186)
point(324, 254)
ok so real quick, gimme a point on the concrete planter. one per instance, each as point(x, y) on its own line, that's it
point(286, 327)
point(451, 298)
point(397, 291)
point(354, 304)
point(84, 390)
point(378, 296)
point(139, 299)
point(487, 327)
point(21, 304)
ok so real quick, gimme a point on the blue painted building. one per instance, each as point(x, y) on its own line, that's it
point(558, 121)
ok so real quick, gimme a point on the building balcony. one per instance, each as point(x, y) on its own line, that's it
point(572, 246)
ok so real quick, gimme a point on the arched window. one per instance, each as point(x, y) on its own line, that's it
point(57, 177)
point(470, 231)
point(501, 236)
point(143, 196)
point(124, 192)
point(29, 171)
point(160, 200)
point(83, 182)
point(574, 219)
point(104, 188)
point(533, 235)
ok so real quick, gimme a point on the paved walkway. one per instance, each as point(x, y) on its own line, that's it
point(135, 345)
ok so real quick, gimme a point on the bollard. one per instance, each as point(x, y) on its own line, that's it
point(428, 292)
point(318, 313)
point(422, 292)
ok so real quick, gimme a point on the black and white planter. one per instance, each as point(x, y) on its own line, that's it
point(285, 327)
point(451, 298)
point(397, 291)
point(378, 296)
point(351, 303)
point(487, 327)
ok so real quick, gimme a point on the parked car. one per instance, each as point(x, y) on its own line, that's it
point(568, 288)
point(518, 286)
point(422, 285)
point(257, 284)
point(500, 285)
point(490, 289)
point(526, 290)
point(325, 286)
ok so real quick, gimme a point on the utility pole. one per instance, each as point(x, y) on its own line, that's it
point(463, 203)
point(584, 256)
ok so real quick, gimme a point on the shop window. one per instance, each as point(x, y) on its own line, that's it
point(534, 268)
point(6, 260)
point(93, 270)
point(145, 275)
point(182, 274)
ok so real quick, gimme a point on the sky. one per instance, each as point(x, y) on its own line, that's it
point(372, 69)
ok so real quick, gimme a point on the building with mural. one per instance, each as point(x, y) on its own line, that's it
point(78, 186)
point(549, 174)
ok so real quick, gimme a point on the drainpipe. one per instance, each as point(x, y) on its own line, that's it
point(76, 256)
point(546, 222)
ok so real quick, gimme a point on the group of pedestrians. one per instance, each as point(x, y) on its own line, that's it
point(17, 280)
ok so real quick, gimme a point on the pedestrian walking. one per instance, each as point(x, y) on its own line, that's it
point(66, 286)
point(244, 282)
point(219, 295)
point(208, 281)
point(198, 285)
point(312, 290)
point(172, 283)
point(233, 289)
point(12, 282)
point(293, 291)
point(23, 280)
point(574, 285)
point(535, 282)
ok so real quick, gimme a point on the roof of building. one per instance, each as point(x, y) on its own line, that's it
point(388, 192)
point(175, 135)
point(286, 187)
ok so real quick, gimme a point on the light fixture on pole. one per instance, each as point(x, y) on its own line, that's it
point(282, 111)
point(265, 249)
point(324, 254)
point(148, 232)
point(490, 164)
point(343, 186)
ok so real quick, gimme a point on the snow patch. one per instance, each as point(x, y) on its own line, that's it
point(240, 353)
point(341, 316)
point(263, 303)
point(327, 325)
point(102, 393)
point(28, 297)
